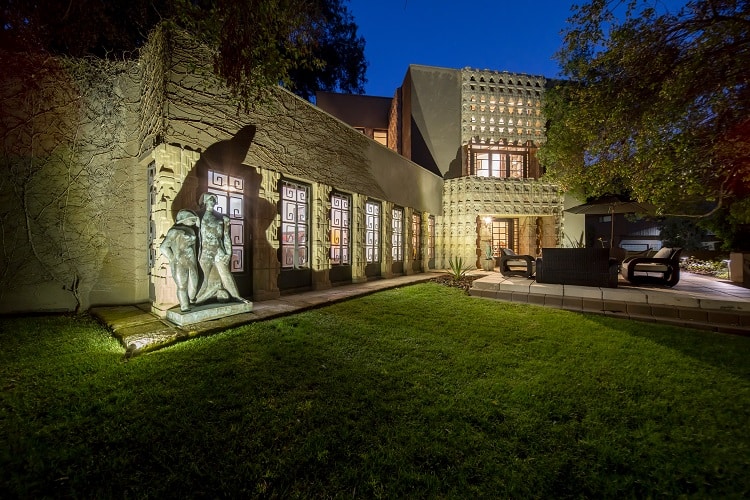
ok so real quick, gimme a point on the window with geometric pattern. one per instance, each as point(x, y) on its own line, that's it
point(295, 249)
point(340, 216)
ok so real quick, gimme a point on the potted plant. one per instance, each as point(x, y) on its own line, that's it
point(488, 264)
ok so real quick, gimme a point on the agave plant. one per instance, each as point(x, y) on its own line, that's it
point(457, 268)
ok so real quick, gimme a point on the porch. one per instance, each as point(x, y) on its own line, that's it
point(695, 302)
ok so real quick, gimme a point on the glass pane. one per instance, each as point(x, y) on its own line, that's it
point(236, 184)
point(221, 202)
point(235, 207)
point(217, 180)
point(302, 256)
point(288, 211)
point(288, 233)
point(237, 262)
point(237, 232)
point(287, 256)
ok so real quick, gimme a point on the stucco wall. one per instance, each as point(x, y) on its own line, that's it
point(72, 199)
point(434, 108)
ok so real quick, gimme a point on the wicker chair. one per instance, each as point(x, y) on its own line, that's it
point(577, 266)
point(662, 268)
point(512, 264)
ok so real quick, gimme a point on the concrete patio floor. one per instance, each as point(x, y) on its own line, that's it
point(695, 302)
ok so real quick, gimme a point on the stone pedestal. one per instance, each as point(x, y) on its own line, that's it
point(739, 268)
point(207, 312)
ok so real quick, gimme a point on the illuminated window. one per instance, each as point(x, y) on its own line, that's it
point(340, 217)
point(416, 236)
point(295, 247)
point(372, 231)
point(397, 237)
point(516, 166)
point(498, 162)
point(381, 136)
point(431, 237)
point(504, 235)
point(230, 201)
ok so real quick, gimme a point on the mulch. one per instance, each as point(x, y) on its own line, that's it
point(463, 283)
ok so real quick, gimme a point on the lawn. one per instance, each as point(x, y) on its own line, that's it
point(420, 391)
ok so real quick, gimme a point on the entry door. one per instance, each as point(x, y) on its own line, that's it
point(231, 192)
point(503, 236)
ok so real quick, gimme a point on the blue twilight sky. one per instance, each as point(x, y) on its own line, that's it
point(519, 37)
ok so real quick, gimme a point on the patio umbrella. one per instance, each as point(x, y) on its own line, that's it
point(610, 205)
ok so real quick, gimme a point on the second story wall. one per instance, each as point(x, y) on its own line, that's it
point(431, 123)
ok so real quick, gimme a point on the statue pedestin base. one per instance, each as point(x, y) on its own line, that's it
point(206, 312)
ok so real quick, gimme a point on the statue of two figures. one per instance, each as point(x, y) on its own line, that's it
point(210, 247)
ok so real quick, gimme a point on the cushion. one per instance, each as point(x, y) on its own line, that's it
point(663, 253)
point(651, 268)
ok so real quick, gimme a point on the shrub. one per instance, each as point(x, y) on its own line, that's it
point(715, 268)
point(457, 268)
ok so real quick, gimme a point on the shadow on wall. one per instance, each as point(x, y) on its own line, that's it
point(455, 169)
point(227, 157)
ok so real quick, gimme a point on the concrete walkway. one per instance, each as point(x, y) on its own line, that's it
point(695, 302)
point(139, 330)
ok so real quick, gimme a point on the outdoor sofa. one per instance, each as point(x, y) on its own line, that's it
point(577, 266)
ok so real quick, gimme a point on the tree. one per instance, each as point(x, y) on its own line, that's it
point(306, 45)
point(656, 105)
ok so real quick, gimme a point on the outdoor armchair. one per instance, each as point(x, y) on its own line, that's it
point(662, 268)
point(512, 264)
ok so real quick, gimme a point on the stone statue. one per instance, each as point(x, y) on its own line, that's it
point(215, 254)
point(179, 246)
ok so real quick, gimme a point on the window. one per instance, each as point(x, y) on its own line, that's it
point(504, 235)
point(488, 164)
point(372, 231)
point(431, 237)
point(381, 136)
point(152, 197)
point(294, 226)
point(516, 166)
point(397, 238)
point(416, 236)
point(499, 162)
point(340, 217)
point(229, 191)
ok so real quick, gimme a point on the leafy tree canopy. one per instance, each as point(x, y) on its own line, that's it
point(655, 104)
point(307, 45)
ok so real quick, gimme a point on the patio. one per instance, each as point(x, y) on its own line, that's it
point(696, 301)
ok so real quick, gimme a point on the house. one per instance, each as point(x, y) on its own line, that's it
point(101, 156)
point(480, 131)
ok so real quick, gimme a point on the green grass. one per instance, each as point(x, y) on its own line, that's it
point(414, 392)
